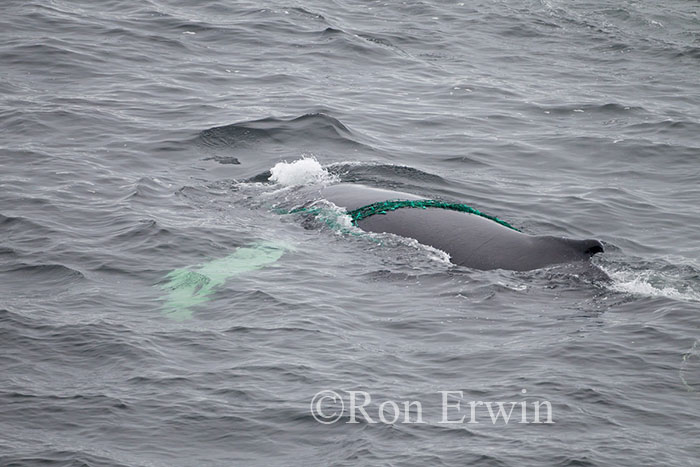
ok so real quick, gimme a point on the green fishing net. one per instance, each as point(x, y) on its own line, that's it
point(382, 207)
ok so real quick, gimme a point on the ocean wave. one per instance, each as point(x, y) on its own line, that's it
point(318, 127)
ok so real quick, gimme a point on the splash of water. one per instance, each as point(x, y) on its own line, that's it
point(304, 171)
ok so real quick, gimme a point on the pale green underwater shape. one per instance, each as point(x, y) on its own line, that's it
point(188, 288)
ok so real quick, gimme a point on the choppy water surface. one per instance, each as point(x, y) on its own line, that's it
point(158, 308)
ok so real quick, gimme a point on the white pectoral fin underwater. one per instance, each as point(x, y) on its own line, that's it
point(189, 287)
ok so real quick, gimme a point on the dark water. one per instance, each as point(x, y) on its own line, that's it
point(137, 141)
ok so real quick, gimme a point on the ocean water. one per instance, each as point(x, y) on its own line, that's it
point(160, 307)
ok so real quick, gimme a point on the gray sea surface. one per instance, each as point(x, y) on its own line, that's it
point(159, 306)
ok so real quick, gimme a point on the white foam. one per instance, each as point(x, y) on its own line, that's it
point(335, 217)
point(642, 283)
point(433, 254)
point(304, 171)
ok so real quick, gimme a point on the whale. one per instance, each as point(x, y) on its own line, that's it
point(470, 239)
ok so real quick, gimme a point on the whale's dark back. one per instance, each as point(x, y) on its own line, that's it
point(470, 240)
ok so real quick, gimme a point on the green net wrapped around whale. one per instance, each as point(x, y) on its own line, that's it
point(382, 207)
